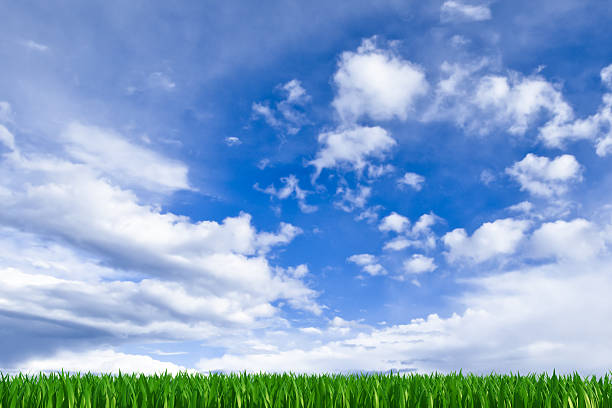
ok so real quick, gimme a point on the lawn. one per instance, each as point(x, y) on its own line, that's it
point(290, 390)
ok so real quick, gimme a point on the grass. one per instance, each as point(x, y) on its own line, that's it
point(289, 390)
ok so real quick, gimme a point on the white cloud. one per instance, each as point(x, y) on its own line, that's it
point(6, 112)
point(557, 134)
point(419, 236)
point(311, 330)
point(266, 240)
point(394, 222)
point(483, 103)
point(413, 180)
point(232, 141)
point(99, 361)
point(160, 80)
point(291, 188)
point(263, 163)
point(597, 127)
point(351, 199)
point(491, 239)
point(298, 272)
point(362, 259)
point(189, 305)
point(168, 353)
point(295, 93)
point(33, 45)
point(111, 154)
point(104, 264)
point(7, 138)
point(419, 264)
point(351, 147)
point(578, 239)
point(369, 264)
point(423, 224)
point(287, 115)
point(374, 269)
point(399, 243)
point(606, 76)
point(369, 214)
point(487, 177)
point(542, 176)
point(151, 307)
point(375, 171)
point(524, 207)
point(517, 101)
point(459, 40)
point(376, 83)
point(508, 322)
point(452, 10)
point(267, 113)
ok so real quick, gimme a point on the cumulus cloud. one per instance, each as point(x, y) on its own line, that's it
point(418, 264)
point(287, 115)
point(286, 233)
point(597, 127)
point(394, 222)
point(369, 264)
point(104, 266)
point(371, 83)
point(399, 243)
point(517, 101)
point(419, 236)
point(606, 76)
point(424, 223)
point(375, 83)
point(491, 239)
point(351, 148)
point(544, 177)
point(509, 322)
point(452, 10)
point(524, 207)
point(578, 239)
point(483, 103)
point(291, 188)
point(413, 180)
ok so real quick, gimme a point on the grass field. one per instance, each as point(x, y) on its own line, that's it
point(287, 390)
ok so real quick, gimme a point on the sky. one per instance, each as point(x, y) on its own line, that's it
point(347, 186)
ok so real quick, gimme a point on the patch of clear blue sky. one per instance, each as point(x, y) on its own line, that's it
point(224, 56)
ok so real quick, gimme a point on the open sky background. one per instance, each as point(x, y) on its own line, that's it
point(310, 186)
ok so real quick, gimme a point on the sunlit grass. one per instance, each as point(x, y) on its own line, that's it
point(289, 390)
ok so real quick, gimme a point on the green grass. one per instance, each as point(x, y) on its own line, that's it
point(288, 390)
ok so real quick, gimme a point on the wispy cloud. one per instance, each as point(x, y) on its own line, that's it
point(452, 10)
point(33, 45)
point(287, 115)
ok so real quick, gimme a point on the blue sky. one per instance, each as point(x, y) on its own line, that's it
point(407, 186)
